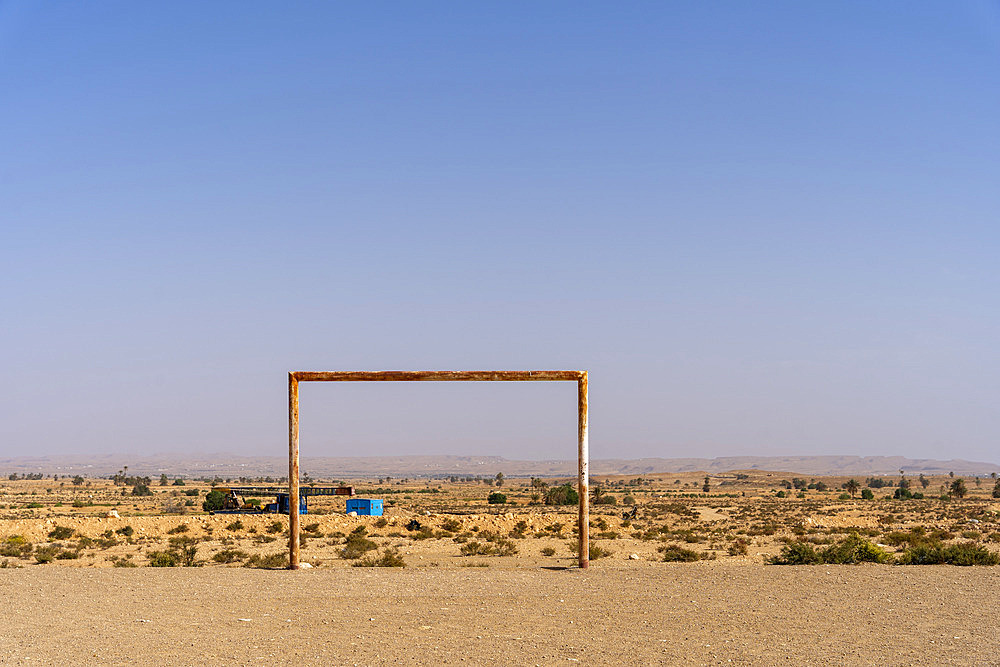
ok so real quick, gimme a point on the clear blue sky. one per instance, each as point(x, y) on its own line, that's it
point(764, 228)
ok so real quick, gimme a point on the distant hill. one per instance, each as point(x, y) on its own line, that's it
point(225, 465)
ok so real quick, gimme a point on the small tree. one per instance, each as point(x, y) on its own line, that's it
point(141, 489)
point(562, 495)
point(499, 479)
point(163, 479)
point(996, 489)
point(705, 487)
point(77, 480)
point(852, 486)
point(924, 482)
point(958, 488)
point(213, 501)
point(496, 498)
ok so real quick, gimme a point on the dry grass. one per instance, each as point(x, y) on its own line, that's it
point(743, 518)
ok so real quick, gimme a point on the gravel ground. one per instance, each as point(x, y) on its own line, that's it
point(706, 613)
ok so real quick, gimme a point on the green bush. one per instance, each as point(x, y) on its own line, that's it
point(548, 551)
point(496, 498)
point(275, 527)
point(61, 533)
point(855, 549)
point(47, 554)
point(938, 553)
point(851, 550)
point(797, 553)
point(866, 494)
point(16, 546)
point(213, 501)
point(235, 525)
point(179, 528)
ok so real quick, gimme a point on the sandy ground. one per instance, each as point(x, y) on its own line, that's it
point(629, 613)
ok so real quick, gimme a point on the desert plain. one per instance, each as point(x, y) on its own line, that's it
point(134, 570)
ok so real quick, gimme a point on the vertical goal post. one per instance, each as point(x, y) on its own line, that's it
point(583, 455)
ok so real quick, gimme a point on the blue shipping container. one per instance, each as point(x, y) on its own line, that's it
point(281, 507)
point(365, 506)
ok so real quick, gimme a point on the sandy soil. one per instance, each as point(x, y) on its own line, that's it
point(618, 613)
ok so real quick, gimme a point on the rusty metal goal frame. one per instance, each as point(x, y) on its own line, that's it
point(295, 377)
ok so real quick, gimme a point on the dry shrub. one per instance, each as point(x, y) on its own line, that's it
point(268, 562)
point(356, 546)
point(964, 553)
point(675, 553)
point(389, 558)
point(738, 547)
point(229, 556)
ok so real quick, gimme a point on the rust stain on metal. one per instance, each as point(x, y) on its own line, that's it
point(438, 376)
point(293, 472)
point(294, 377)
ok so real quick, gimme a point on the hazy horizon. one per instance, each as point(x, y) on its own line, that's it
point(763, 230)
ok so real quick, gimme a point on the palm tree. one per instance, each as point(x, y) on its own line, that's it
point(852, 486)
point(958, 488)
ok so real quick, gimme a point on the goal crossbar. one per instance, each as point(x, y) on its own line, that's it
point(294, 377)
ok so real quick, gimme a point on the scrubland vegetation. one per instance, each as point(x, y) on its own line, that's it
point(753, 517)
